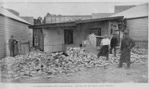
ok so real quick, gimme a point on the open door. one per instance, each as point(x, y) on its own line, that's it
point(38, 39)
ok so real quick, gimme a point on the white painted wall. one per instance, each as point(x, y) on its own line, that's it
point(53, 40)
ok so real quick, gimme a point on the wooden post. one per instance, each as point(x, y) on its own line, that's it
point(29, 46)
point(19, 47)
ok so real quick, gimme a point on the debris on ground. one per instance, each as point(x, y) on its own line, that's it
point(51, 64)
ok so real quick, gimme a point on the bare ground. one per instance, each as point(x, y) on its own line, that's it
point(138, 73)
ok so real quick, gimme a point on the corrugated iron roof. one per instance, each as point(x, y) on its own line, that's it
point(136, 11)
point(99, 19)
point(73, 23)
point(8, 14)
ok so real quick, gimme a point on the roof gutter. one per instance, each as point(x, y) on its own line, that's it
point(136, 17)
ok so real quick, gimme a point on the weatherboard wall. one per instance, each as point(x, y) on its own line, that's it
point(13, 27)
point(2, 37)
point(138, 31)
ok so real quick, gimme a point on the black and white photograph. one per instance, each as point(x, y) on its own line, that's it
point(74, 42)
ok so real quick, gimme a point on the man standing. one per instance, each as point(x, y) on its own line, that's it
point(126, 45)
point(113, 44)
point(104, 51)
point(12, 43)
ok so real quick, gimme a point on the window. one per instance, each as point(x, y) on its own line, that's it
point(96, 31)
point(68, 36)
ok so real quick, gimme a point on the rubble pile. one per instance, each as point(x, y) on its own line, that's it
point(74, 60)
point(139, 51)
point(138, 55)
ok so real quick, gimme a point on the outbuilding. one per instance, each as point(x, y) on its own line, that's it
point(11, 24)
point(54, 37)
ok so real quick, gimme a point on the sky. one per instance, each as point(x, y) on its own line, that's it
point(37, 9)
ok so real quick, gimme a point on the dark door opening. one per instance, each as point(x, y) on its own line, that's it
point(68, 36)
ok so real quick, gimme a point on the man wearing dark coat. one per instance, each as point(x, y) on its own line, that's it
point(12, 44)
point(113, 44)
point(126, 45)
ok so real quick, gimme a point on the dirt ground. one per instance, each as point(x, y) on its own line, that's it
point(138, 73)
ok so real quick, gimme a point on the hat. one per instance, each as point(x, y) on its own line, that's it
point(125, 32)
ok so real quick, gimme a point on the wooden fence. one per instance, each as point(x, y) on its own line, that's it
point(24, 47)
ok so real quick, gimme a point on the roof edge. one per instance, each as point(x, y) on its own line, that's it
point(15, 19)
point(78, 22)
point(100, 19)
point(136, 17)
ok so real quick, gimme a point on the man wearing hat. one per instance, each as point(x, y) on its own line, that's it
point(126, 45)
point(113, 44)
point(12, 44)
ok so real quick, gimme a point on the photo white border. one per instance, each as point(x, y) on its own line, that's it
point(80, 85)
